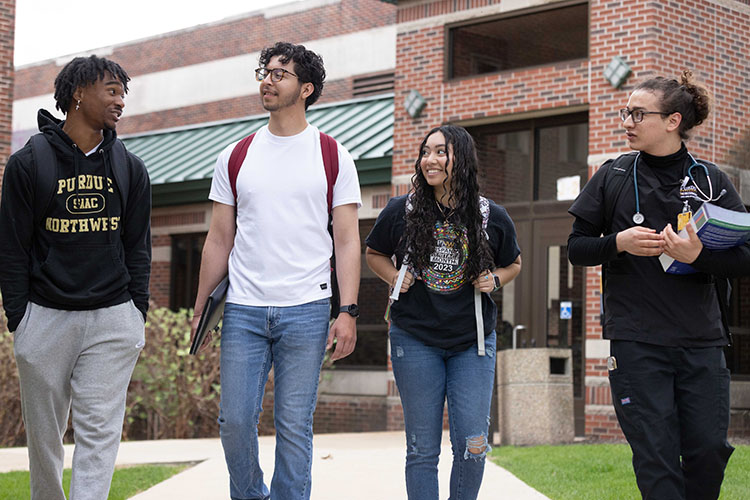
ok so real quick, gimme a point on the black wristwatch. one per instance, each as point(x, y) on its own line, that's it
point(352, 310)
point(498, 285)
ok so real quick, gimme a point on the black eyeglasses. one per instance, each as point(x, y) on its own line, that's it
point(638, 114)
point(277, 74)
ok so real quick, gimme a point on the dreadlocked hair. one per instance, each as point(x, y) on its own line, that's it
point(84, 71)
point(307, 65)
point(463, 196)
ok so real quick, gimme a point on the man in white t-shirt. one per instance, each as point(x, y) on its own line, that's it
point(277, 253)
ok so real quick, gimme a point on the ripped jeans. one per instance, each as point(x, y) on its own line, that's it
point(425, 377)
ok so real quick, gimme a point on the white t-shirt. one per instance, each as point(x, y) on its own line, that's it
point(282, 249)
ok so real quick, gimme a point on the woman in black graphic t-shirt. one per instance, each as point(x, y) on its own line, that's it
point(454, 241)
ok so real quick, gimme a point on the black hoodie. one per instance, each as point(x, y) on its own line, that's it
point(86, 253)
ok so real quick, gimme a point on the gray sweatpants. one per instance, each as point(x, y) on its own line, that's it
point(85, 358)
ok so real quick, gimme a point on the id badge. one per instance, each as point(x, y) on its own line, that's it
point(683, 219)
point(611, 363)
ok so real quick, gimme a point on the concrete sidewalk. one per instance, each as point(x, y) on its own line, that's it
point(356, 466)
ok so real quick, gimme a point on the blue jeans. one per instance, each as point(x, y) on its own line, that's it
point(425, 376)
point(292, 339)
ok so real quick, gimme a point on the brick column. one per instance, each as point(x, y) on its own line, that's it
point(7, 32)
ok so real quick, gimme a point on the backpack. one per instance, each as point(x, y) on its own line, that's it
point(45, 168)
point(329, 149)
point(619, 171)
point(484, 210)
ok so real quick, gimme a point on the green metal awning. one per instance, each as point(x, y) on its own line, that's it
point(181, 161)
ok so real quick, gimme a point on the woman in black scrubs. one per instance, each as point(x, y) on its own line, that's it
point(667, 372)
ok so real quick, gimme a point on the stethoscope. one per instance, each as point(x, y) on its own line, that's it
point(638, 216)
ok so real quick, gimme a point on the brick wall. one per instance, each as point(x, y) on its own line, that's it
point(421, 56)
point(238, 107)
point(334, 413)
point(413, 11)
point(7, 31)
point(351, 413)
point(706, 36)
point(661, 39)
point(216, 41)
point(711, 37)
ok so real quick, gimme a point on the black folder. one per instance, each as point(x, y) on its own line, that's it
point(213, 311)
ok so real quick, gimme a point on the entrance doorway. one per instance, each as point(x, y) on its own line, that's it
point(550, 299)
point(534, 168)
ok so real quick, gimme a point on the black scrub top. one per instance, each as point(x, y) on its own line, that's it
point(641, 301)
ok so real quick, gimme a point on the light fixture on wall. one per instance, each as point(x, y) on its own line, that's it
point(414, 103)
point(617, 71)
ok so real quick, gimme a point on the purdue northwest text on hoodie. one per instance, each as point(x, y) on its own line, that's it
point(86, 252)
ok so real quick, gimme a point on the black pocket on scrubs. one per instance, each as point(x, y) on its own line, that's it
point(625, 403)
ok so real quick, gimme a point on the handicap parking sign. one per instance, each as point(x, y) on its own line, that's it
point(566, 309)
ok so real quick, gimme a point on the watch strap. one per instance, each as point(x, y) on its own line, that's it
point(498, 284)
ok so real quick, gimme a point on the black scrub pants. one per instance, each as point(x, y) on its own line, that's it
point(672, 404)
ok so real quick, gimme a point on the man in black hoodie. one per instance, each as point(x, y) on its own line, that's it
point(75, 248)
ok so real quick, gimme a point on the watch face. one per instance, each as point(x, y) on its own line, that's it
point(351, 309)
point(497, 281)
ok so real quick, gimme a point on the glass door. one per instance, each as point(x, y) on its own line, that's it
point(557, 313)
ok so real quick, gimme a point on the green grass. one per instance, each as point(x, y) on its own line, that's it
point(599, 471)
point(126, 481)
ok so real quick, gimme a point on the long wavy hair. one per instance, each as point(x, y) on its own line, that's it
point(462, 195)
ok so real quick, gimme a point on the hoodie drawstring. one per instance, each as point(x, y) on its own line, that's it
point(76, 171)
point(107, 175)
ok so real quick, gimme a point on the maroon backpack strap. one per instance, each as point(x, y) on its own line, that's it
point(235, 162)
point(331, 164)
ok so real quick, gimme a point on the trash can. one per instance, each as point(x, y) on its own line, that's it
point(535, 396)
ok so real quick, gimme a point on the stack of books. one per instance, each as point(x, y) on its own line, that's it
point(718, 229)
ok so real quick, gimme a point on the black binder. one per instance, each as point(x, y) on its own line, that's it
point(213, 311)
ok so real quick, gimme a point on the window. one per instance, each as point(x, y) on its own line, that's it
point(531, 160)
point(503, 158)
point(562, 152)
point(371, 352)
point(532, 39)
point(186, 263)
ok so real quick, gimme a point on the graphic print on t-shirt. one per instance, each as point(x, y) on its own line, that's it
point(448, 261)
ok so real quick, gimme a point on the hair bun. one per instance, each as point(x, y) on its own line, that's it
point(699, 94)
point(686, 78)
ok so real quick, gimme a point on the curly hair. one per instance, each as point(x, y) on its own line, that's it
point(463, 197)
point(686, 97)
point(308, 65)
point(83, 71)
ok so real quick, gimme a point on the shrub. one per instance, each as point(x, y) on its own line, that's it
point(11, 424)
point(172, 394)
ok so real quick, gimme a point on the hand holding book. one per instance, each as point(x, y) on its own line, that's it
point(213, 311)
point(717, 228)
point(683, 247)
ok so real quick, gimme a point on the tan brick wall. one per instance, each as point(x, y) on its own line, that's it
point(216, 41)
point(337, 90)
point(415, 10)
